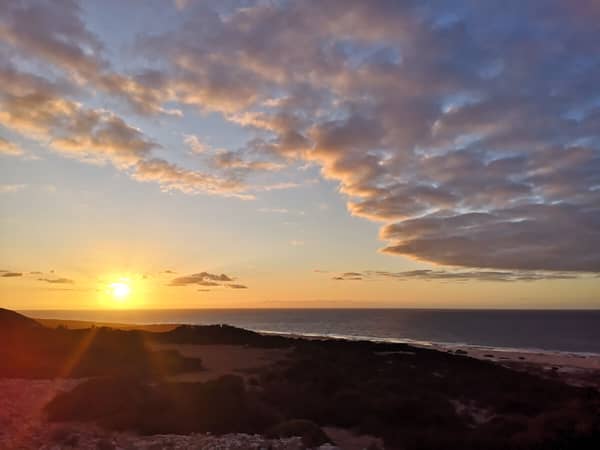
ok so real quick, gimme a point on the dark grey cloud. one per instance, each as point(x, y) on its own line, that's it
point(207, 283)
point(57, 280)
point(12, 274)
point(347, 278)
point(476, 275)
point(201, 279)
point(237, 286)
point(515, 237)
point(459, 275)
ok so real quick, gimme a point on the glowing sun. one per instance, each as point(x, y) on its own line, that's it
point(120, 291)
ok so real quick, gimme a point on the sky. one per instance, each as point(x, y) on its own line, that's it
point(291, 154)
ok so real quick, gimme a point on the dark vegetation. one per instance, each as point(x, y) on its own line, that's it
point(413, 398)
point(128, 403)
point(405, 395)
point(29, 350)
point(219, 334)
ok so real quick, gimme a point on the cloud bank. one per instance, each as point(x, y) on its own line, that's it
point(469, 130)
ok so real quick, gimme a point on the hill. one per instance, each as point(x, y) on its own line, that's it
point(11, 320)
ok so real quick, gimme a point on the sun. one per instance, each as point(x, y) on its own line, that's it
point(120, 290)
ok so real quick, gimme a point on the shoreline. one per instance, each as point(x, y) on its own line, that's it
point(576, 368)
point(438, 345)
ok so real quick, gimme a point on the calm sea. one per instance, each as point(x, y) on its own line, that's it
point(569, 331)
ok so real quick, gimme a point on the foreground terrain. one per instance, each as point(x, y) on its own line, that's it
point(101, 387)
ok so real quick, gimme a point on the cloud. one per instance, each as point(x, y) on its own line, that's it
point(349, 276)
point(175, 178)
point(181, 4)
point(458, 275)
point(57, 280)
point(12, 274)
point(280, 211)
point(512, 237)
point(10, 149)
point(277, 186)
point(340, 278)
point(11, 188)
point(40, 110)
point(194, 143)
point(202, 279)
point(55, 33)
point(274, 210)
point(207, 279)
point(296, 243)
point(232, 160)
point(207, 283)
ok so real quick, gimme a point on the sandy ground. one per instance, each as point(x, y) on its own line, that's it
point(557, 359)
point(221, 360)
point(574, 368)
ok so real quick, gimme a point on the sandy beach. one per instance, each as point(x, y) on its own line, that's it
point(576, 369)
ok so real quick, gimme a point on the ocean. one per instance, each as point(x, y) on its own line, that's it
point(576, 331)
